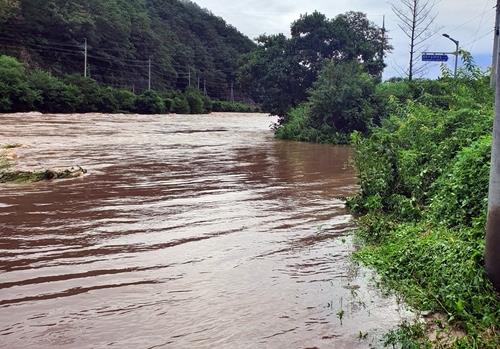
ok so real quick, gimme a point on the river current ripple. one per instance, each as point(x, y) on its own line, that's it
point(187, 232)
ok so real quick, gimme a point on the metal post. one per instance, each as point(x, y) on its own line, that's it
point(149, 74)
point(492, 254)
point(457, 51)
point(85, 60)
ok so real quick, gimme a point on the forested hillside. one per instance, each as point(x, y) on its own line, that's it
point(185, 42)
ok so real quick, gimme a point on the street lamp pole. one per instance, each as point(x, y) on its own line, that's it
point(457, 43)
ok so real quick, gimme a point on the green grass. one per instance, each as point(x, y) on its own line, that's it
point(424, 184)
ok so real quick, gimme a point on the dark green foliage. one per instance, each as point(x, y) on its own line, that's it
point(281, 70)
point(237, 107)
point(149, 103)
point(299, 127)
point(424, 180)
point(122, 35)
point(126, 100)
point(342, 98)
point(180, 105)
point(15, 93)
point(195, 101)
point(41, 91)
point(460, 195)
point(55, 95)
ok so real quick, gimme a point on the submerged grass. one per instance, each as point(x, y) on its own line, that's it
point(7, 175)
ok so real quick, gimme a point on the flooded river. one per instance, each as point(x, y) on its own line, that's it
point(187, 232)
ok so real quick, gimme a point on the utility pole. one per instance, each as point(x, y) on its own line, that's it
point(189, 75)
point(204, 87)
point(382, 48)
point(85, 60)
point(149, 74)
point(495, 48)
point(232, 91)
point(492, 254)
point(198, 82)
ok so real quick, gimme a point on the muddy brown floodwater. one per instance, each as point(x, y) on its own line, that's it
point(187, 232)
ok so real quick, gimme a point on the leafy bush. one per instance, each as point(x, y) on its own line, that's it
point(233, 107)
point(195, 101)
point(460, 195)
point(56, 96)
point(424, 179)
point(15, 93)
point(298, 127)
point(149, 103)
point(342, 98)
point(180, 105)
point(125, 100)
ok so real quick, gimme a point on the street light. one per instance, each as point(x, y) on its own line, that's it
point(457, 43)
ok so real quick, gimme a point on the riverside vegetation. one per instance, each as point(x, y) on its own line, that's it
point(424, 174)
point(23, 90)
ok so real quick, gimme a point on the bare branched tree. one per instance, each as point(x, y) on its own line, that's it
point(415, 20)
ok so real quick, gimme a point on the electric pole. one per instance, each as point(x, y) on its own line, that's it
point(495, 48)
point(149, 74)
point(85, 59)
point(492, 254)
point(382, 48)
point(204, 87)
point(189, 76)
point(198, 82)
point(232, 91)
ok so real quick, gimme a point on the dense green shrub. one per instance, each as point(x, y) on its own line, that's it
point(298, 127)
point(180, 105)
point(342, 98)
point(234, 107)
point(125, 100)
point(195, 101)
point(460, 195)
point(55, 95)
point(149, 102)
point(424, 180)
point(15, 93)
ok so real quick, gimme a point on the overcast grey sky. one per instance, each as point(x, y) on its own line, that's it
point(469, 21)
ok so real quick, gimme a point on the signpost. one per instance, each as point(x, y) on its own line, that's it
point(434, 57)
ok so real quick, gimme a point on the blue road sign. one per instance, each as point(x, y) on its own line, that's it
point(433, 57)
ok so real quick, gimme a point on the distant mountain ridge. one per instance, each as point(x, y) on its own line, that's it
point(186, 44)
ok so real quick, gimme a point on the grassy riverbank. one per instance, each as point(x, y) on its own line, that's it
point(424, 181)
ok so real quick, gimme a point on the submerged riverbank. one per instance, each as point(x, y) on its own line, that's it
point(205, 228)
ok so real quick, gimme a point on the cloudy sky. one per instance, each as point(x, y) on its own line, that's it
point(470, 22)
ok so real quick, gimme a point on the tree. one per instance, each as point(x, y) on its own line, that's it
point(415, 19)
point(149, 103)
point(280, 71)
point(342, 98)
point(121, 36)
